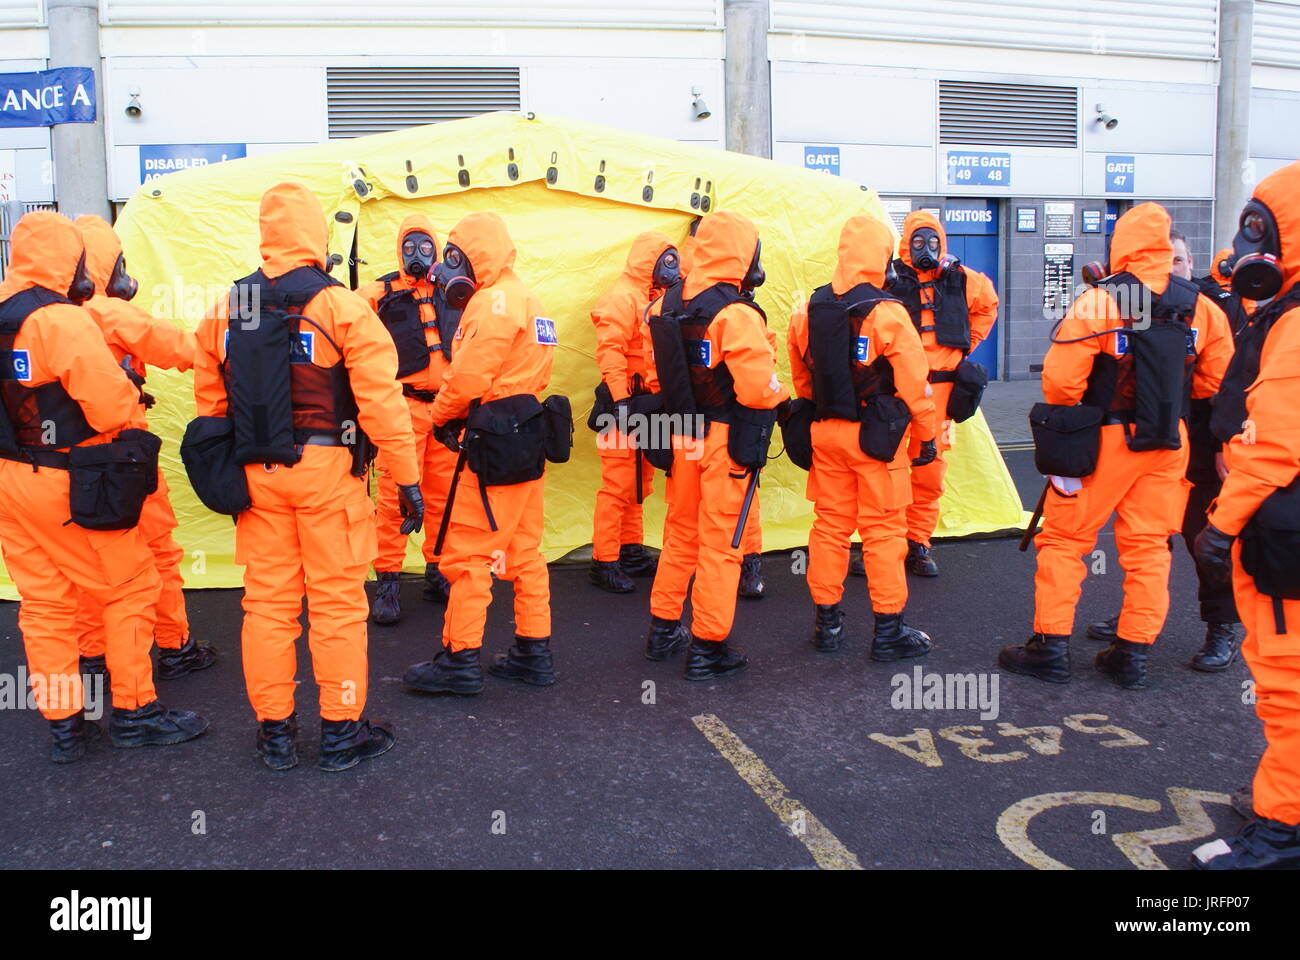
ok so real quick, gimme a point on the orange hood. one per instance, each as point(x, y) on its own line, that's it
point(294, 233)
point(915, 221)
point(1280, 192)
point(416, 223)
point(646, 250)
point(724, 249)
point(45, 248)
point(1141, 246)
point(1215, 273)
point(483, 238)
point(103, 247)
point(686, 254)
point(866, 246)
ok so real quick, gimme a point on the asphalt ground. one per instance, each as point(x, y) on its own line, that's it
point(626, 764)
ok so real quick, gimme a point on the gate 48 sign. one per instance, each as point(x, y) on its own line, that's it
point(974, 169)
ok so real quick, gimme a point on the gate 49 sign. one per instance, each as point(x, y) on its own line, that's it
point(976, 169)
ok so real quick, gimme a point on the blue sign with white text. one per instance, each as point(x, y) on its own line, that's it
point(46, 97)
point(967, 168)
point(965, 217)
point(157, 159)
point(1119, 174)
point(822, 159)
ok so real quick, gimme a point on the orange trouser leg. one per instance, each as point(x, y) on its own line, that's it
point(473, 552)
point(618, 515)
point(92, 639)
point(681, 544)
point(48, 563)
point(310, 531)
point(437, 464)
point(1274, 661)
point(752, 540)
point(1149, 514)
point(927, 481)
point(851, 491)
point(722, 492)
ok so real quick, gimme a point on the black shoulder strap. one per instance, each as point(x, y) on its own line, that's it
point(15, 310)
point(1178, 302)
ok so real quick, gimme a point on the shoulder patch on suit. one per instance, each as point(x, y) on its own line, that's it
point(17, 365)
point(304, 349)
point(545, 330)
point(699, 353)
point(861, 349)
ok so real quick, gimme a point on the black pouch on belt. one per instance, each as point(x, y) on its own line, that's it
point(601, 409)
point(505, 440)
point(968, 383)
point(749, 435)
point(109, 482)
point(1270, 544)
point(796, 432)
point(882, 422)
point(1066, 438)
point(208, 452)
point(557, 413)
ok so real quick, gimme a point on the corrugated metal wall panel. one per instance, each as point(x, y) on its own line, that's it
point(365, 100)
point(1277, 32)
point(1008, 114)
point(21, 13)
point(1166, 28)
point(665, 14)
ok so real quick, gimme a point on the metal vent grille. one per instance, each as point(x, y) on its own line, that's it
point(1008, 114)
point(366, 100)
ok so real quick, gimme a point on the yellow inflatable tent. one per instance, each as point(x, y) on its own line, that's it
point(573, 195)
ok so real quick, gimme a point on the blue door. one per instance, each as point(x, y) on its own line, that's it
point(980, 252)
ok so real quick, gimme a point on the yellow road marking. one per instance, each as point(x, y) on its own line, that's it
point(1013, 825)
point(1193, 824)
point(824, 846)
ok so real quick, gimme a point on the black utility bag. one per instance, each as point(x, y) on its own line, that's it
point(1160, 377)
point(1066, 438)
point(882, 423)
point(109, 482)
point(208, 451)
point(602, 407)
point(796, 432)
point(505, 440)
point(1270, 544)
point(968, 383)
point(750, 435)
point(557, 413)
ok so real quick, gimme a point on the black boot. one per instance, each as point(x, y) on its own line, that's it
point(708, 660)
point(153, 725)
point(277, 742)
point(386, 607)
point(919, 561)
point(71, 737)
point(1104, 631)
point(608, 575)
point(437, 588)
point(1261, 845)
point(751, 577)
point(345, 743)
point(1125, 662)
point(1046, 656)
point(637, 561)
point(96, 666)
point(1222, 641)
point(857, 568)
point(666, 637)
point(894, 640)
point(191, 658)
point(529, 660)
point(448, 672)
point(829, 627)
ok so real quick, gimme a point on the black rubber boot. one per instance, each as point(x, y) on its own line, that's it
point(828, 629)
point(708, 660)
point(345, 743)
point(1045, 656)
point(96, 666)
point(1260, 845)
point(1125, 663)
point(1222, 642)
point(277, 742)
point(386, 607)
point(71, 737)
point(191, 658)
point(153, 725)
point(895, 640)
point(1104, 631)
point(637, 561)
point(919, 561)
point(608, 575)
point(460, 673)
point(529, 660)
point(665, 638)
point(751, 585)
point(857, 568)
point(437, 588)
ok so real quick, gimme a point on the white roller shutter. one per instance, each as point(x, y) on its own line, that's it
point(1277, 33)
point(21, 13)
point(365, 100)
point(1161, 28)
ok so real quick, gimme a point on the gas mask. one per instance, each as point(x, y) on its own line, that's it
point(667, 270)
point(82, 287)
point(754, 276)
point(121, 284)
point(927, 249)
point(419, 253)
point(456, 277)
point(1256, 270)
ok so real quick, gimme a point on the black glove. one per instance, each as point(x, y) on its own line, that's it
point(449, 434)
point(783, 410)
point(1213, 551)
point(148, 399)
point(411, 502)
point(928, 453)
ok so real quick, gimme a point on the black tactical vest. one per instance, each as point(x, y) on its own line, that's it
point(951, 324)
point(837, 351)
point(1229, 416)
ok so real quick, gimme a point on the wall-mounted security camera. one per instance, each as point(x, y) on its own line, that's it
point(133, 108)
point(1107, 121)
point(700, 108)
